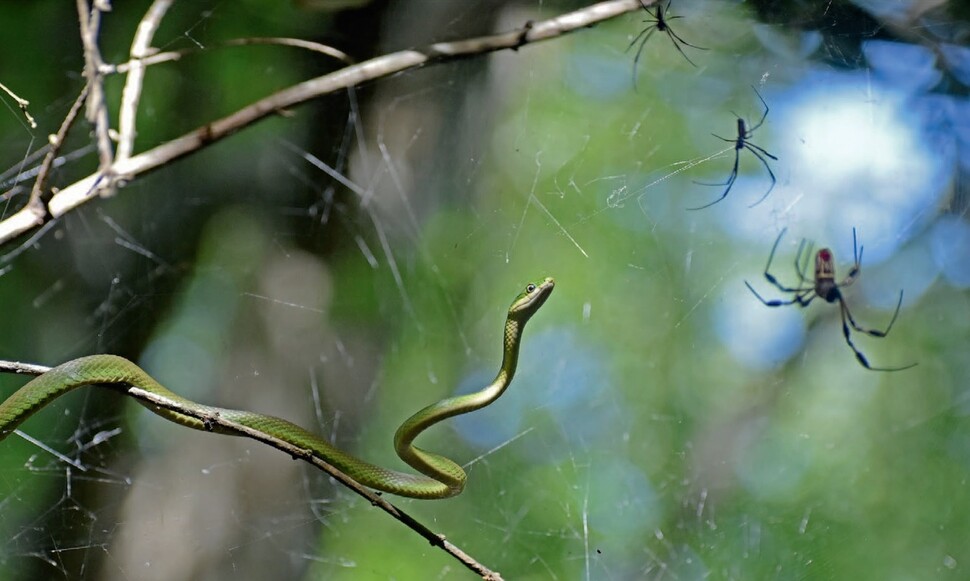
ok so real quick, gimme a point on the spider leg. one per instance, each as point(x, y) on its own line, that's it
point(877, 332)
point(659, 14)
point(767, 167)
point(729, 183)
point(762, 120)
point(662, 23)
point(802, 279)
point(649, 29)
point(799, 298)
point(737, 149)
point(857, 266)
point(646, 33)
point(757, 147)
point(676, 36)
point(798, 289)
point(775, 249)
point(673, 38)
point(647, 8)
point(848, 337)
point(844, 310)
point(801, 266)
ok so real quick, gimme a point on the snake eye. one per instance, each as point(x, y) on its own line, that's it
point(530, 288)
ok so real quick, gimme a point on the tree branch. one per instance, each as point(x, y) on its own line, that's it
point(131, 94)
point(90, 21)
point(124, 170)
point(154, 58)
point(296, 452)
point(22, 103)
point(35, 211)
point(38, 198)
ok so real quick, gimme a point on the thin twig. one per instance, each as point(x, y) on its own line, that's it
point(131, 94)
point(297, 452)
point(11, 193)
point(37, 193)
point(36, 208)
point(15, 175)
point(174, 55)
point(22, 368)
point(26, 244)
point(85, 189)
point(90, 22)
point(22, 103)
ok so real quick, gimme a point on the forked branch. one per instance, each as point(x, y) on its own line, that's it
point(124, 170)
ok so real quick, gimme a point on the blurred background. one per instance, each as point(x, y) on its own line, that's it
point(348, 261)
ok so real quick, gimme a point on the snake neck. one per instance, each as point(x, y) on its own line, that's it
point(439, 467)
point(464, 404)
point(510, 360)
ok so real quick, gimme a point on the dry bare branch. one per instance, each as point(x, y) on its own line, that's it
point(38, 199)
point(121, 171)
point(155, 58)
point(131, 94)
point(89, 19)
point(22, 103)
point(35, 211)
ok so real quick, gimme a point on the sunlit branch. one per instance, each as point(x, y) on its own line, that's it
point(131, 94)
point(295, 452)
point(124, 170)
point(22, 103)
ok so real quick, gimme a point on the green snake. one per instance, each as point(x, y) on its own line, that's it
point(440, 477)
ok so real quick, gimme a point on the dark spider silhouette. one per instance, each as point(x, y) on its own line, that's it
point(825, 287)
point(659, 22)
point(742, 142)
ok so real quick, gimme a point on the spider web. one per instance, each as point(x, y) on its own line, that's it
point(347, 262)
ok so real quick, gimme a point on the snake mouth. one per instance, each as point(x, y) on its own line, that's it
point(545, 288)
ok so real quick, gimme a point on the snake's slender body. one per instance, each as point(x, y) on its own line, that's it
point(440, 477)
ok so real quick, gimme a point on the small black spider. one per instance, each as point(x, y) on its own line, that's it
point(742, 142)
point(824, 286)
point(660, 22)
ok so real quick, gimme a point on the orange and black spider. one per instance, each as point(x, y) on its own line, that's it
point(825, 287)
point(660, 21)
point(742, 141)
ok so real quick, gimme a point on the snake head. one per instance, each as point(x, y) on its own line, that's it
point(534, 296)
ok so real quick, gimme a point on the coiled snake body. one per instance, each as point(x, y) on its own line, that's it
point(439, 477)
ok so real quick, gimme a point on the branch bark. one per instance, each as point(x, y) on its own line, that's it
point(89, 18)
point(22, 103)
point(123, 170)
point(131, 94)
point(296, 452)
